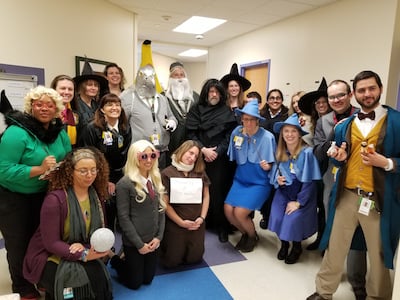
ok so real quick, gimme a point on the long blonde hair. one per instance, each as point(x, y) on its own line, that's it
point(281, 150)
point(132, 171)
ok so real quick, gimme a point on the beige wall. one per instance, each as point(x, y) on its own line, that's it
point(50, 33)
point(335, 41)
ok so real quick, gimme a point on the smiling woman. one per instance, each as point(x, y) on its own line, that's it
point(111, 134)
point(31, 146)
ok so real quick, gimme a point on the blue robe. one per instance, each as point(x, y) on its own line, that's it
point(251, 185)
point(301, 175)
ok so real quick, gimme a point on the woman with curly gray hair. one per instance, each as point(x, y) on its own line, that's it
point(32, 144)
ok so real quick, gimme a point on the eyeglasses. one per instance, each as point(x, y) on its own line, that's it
point(277, 98)
point(145, 156)
point(320, 102)
point(338, 96)
point(249, 119)
point(40, 105)
point(85, 172)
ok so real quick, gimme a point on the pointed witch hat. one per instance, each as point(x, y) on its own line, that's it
point(234, 75)
point(307, 101)
point(89, 74)
point(147, 59)
point(5, 105)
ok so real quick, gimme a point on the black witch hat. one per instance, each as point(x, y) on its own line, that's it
point(5, 105)
point(88, 74)
point(234, 75)
point(307, 101)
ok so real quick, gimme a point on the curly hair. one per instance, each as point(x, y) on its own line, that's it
point(63, 176)
point(37, 93)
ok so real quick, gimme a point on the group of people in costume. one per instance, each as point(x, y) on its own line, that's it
point(161, 167)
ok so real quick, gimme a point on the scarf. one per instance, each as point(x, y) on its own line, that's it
point(72, 273)
point(68, 120)
point(35, 127)
point(180, 166)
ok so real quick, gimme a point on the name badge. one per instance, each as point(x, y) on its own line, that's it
point(107, 138)
point(365, 206)
point(155, 139)
point(238, 141)
point(68, 293)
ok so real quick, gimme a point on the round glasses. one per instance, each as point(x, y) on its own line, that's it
point(145, 156)
point(85, 172)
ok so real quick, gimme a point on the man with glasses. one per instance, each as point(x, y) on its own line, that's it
point(365, 191)
point(339, 97)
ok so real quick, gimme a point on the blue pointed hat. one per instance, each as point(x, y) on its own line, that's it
point(251, 109)
point(292, 120)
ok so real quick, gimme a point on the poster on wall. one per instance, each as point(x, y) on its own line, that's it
point(18, 80)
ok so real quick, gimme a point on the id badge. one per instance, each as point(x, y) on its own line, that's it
point(238, 140)
point(68, 293)
point(155, 139)
point(292, 171)
point(365, 206)
point(120, 141)
point(107, 138)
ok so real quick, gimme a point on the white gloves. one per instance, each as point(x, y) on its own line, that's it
point(171, 125)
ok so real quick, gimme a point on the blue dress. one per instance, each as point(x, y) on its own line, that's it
point(251, 185)
point(301, 175)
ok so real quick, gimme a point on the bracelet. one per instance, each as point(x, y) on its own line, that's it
point(298, 204)
point(202, 218)
point(84, 255)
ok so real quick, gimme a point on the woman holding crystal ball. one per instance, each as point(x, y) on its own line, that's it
point(59, 256)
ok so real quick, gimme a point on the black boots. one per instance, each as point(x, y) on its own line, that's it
point(294, 255)
point(242, 241)
point(247, 243)
point(283, 252)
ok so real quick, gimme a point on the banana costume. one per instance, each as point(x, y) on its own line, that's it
point(147, 59)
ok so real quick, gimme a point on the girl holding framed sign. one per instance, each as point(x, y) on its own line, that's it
point(187, 201)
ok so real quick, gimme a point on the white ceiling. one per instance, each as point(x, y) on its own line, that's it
point(157, 18)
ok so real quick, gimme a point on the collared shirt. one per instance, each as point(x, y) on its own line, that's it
point(367, 124)
point(115, 127)
point(144, 182)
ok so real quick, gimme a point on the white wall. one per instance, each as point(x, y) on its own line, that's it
point(196, 71)
point(50, 33)
point(335, 41)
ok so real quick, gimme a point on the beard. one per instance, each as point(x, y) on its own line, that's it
point(364, 105)
point(179, 89)
point(213, 101)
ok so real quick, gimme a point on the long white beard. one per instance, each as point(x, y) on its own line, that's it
point(179, 89)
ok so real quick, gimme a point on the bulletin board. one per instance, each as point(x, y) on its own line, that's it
point(18, 80)
point(16, 87)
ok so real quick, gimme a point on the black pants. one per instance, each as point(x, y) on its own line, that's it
point(19, 218)
point(94, 272)
point(136, 269)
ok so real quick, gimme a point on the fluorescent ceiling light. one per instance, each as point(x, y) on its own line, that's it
point(198, 25)
point(193, 53)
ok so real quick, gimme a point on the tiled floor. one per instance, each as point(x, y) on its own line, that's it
point(259, 276)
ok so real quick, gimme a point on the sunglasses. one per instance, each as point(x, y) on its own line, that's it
point(145, 156)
